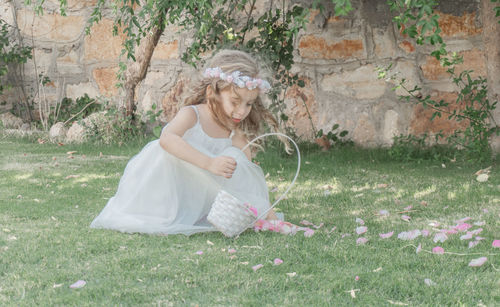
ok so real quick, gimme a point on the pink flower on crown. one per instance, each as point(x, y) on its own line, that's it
point(250, 85)
point(229, 79)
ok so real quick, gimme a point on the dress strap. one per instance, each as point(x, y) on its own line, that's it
point(231, 134)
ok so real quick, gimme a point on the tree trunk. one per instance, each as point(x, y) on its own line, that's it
point(136, 71)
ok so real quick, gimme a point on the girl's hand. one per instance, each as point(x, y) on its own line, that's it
point(222, 166)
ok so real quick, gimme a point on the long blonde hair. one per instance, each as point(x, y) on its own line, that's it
point(229, 61)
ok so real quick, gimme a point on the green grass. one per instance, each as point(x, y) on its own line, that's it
point(46, 243)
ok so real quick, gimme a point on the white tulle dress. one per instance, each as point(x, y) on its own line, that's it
point(160, 193)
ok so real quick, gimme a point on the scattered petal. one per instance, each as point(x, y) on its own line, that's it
point(292, 274)
point(308, 233)
point(496, 243)
point(434, 224)
point(361, 230)
point(57, 286)
point(478, 238)
point(409, 235)
point(419, 248)
point(199, 253)
point(78, 284)
point(356, 278)
point(476, 231)
point(485, 210)
point(353, 293)
point(360, 221)
point(256, 267)
point(405, 218)
point(386, 235)
point(408, 208)
point(382, 185)
point(377, 269)
point(425, 233)
point(478, 261)
point(305, 222)
point(210, 242)
point(480, 223)
point(278, 261)
point(383, 212)
point(466, 236)
point(345, 235)
point(438, 250)
point(361, 241)
point(318, 226)
point(429, 282)
point(440, 237)
point(473, 243)
point(463, 227)
point(231, 251)
point(397, 303)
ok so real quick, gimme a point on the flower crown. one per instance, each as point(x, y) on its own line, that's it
point(236, 78)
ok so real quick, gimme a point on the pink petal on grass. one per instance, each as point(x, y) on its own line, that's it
point(440, 237)
point(463, 227)
point(383, 212)
point(496, 243)
point(476, 231)
point(425, 233)
point(361, 241)
point(438, 250)
point(278, 261)
point(386, 235)
point(305, 222)
point(480, 223)
point(356, 278)
point(466, 236)
point(199, 253)
point(473, 243)
point(360, 221)
point(409, 235)
point(361, 230)
point(231, 251)
point(78, 284)
point(408, 208)
point(405, 218)
point(308, 233)
point(429, 282)
point(256, 267)
point(478, 261)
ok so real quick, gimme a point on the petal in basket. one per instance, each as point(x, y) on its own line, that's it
point(230, 215)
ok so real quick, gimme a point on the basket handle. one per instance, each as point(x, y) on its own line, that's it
point(289, 186)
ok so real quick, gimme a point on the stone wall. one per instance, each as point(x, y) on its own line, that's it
point(335, 56)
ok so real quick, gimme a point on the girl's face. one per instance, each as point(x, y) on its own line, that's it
point(237, 102)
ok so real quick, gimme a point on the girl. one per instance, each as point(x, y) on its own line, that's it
point(169, 187)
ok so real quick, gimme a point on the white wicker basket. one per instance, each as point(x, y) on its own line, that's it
point(229, 214)
point(232, 216)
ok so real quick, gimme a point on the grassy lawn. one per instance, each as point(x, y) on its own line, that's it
point(49, 197)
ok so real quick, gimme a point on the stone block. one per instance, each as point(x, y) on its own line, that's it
point(75, 91)
point(58, 131)
point(362, 83)
point(391, 124)
point(106, 80)
point(11, 121)
point(298, 117)
point(458, 26)
point(166, 51)
point(420, 122)
point(384, 43)
point(406, 70)
point(317, 47)
point(53, 27)
point(43, 60)
point(75, 5)
point(6, 12)
point(101, 45)
point(407, 46)
point(69, 63)
point(473, 60)
point(365, 132)
point(170, 102)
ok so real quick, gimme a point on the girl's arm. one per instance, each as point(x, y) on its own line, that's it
point(172, 142)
